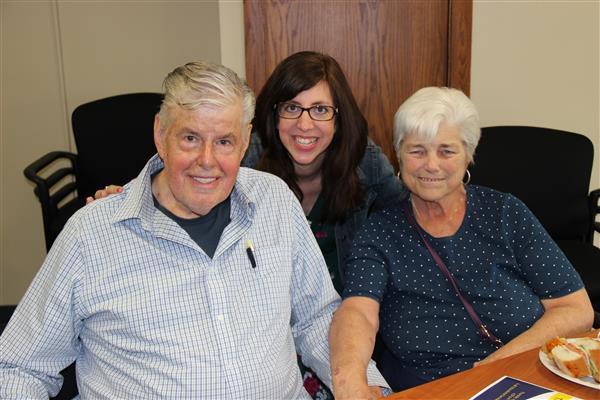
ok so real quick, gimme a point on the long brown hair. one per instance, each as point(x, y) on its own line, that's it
point(340, 184)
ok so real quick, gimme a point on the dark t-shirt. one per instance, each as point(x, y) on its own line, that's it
point(325, 235)
point(205, 230)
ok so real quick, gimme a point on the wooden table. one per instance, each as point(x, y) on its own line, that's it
point(525, 366)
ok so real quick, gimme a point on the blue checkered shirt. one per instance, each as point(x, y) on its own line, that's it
point(145, 313)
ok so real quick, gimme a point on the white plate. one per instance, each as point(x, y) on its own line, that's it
point(585, 381)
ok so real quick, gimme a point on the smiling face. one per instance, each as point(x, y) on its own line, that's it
point(433, 171)
point(202, 150)
point(306, 140)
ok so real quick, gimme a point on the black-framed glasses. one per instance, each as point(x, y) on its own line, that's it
point(316, 113)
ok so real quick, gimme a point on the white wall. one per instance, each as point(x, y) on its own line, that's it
point(533, 63)
point(33, 121)
point(231, 20)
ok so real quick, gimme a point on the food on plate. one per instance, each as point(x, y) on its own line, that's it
point(571, 360)
point(591, 348)
point(575, 357)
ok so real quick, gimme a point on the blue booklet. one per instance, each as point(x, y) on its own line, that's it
point(508, 388)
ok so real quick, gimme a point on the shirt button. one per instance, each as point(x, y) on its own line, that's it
point(221, 317)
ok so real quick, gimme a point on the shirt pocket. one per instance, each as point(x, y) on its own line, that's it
point(270, 279)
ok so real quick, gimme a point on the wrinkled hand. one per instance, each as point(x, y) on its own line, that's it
point(107, 191)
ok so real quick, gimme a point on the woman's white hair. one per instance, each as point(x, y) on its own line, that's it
point(205, 84)
point(423, 113)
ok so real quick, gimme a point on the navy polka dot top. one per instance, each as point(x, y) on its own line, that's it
point(502, 259)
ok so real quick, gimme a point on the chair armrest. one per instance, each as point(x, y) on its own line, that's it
point(43, 185)
point(56, 184)
point(32, 169)
point(593, 198)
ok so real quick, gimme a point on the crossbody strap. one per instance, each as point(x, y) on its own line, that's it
point(481, 328)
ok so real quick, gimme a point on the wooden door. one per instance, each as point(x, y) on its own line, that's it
point(388, 48)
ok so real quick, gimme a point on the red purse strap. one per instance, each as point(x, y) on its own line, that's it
point(481, 328)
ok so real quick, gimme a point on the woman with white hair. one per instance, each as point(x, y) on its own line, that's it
point(455, 274)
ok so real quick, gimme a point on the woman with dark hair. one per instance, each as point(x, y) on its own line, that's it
point(336, 161)
point(309, 131)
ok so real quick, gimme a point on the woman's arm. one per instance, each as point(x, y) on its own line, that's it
point(567, 307)
point(564, 316)
point(351, 342)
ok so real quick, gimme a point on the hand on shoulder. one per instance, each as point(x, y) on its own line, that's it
point(107, 191)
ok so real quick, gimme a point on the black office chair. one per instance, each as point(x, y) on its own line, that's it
point(549, 170)
point(6, 312)
point(114, 139)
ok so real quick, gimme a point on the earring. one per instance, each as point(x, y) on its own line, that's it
point(468, 177)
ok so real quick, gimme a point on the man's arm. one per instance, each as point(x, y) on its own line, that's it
point(351, 343)
point(40, 338)
point(564, 316)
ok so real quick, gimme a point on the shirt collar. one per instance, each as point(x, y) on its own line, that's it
point(138, 202)
point(243, 197)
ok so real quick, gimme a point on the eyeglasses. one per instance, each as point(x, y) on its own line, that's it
point(316, 113)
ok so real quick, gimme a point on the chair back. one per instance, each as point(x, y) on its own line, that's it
point(548, 169)
point(114, 139)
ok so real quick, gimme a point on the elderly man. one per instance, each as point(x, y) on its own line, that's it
point(199, 280)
